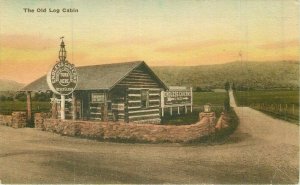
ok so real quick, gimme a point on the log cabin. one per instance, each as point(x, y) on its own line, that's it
point(129, 92)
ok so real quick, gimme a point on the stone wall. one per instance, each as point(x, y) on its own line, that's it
point(222, 122)
point(15, 120)
point(39, 120)
point(130, 131)
point(6, 120)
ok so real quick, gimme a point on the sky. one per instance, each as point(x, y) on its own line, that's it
point(159, 32)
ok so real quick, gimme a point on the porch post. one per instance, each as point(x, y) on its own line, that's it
point(62, 107)
point(54, 108)
point(73, 106)
point(28, 96)
point(105, 111)
point(191, 90)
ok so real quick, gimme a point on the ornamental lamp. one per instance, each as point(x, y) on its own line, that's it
point(207, 107)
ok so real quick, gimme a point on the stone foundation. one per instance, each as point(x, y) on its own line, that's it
point(19, 119)
point(130, 131)
point(39, 120)
point(15, 120)
point(6, 120)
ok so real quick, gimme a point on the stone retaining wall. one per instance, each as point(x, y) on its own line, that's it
point(130, 131)
point(222, 122)
point(39, 120)
point(15, 120)
point(6, 120)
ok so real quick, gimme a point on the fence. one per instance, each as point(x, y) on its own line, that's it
point(286, 111)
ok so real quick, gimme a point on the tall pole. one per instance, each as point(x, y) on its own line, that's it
point(73, 106)
point(62, 107)
point(191, 90)
point(28, 95)
point(54, 107)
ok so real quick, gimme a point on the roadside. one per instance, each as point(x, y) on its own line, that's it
point(261, 150)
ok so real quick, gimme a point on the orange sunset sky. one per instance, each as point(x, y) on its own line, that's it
point(161, 33)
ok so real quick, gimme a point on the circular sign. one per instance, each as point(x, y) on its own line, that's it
point(62, 78)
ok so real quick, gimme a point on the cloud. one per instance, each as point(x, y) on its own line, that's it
point(140, 41)
point(280, 44)
point(196, 45)
point(27, 42)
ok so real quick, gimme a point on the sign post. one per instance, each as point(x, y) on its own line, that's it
point(62, 107)
point(62, 78)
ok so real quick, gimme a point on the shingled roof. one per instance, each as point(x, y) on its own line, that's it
point(96, 77)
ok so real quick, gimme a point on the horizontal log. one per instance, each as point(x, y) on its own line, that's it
point(134, 95)
point(97, 113)
point(135, 78)
point(98, 108)
point(137, 83)
point(154, 104)
point(134, 101)
point(154, 100)
point(139, 73)
point(134, 104)
point(146, 78)
point(135, 107)
point(139, 86)
point(154, 94)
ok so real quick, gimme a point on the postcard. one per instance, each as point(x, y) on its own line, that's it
point(149, 92)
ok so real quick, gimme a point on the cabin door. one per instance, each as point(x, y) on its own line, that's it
point(85, 107)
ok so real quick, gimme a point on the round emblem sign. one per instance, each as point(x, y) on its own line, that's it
point(62, 78)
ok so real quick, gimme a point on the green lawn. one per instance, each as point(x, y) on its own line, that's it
point(214, 98)
point(281, 104)
point(7, 107)
point(268, 97)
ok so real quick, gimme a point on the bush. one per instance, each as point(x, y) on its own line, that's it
point(226, 103)
point(21, 96)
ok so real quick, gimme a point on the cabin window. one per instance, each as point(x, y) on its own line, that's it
point(144, 98)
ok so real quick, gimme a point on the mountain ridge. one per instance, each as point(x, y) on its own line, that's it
point(10, 85)
point(261, 75)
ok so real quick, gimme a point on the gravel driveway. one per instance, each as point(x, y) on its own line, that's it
point(262, 150)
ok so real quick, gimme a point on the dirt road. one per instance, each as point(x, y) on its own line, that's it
point(262, 150)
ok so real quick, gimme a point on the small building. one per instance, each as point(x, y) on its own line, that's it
point(129, 92)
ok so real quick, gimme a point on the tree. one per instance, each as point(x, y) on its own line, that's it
point(227, 86)
point(226, 104)
point(21, 96)
point(233, 86)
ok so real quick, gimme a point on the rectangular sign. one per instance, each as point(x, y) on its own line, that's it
point(179, 96)
point(97, 97)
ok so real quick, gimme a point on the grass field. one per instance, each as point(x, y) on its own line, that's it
point(281, 104)
point(214, 98)
point(7, 107)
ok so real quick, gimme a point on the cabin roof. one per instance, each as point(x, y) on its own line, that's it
point(97, 77)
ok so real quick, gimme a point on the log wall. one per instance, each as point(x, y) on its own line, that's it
point(138, 80)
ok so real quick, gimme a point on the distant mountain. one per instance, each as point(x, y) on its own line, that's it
point(260, 75)
point(9, 85)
